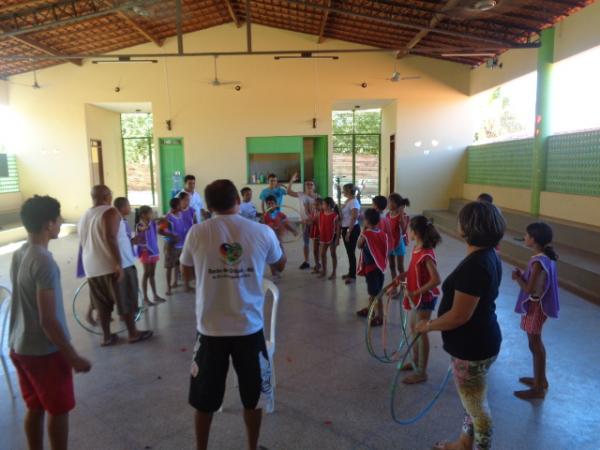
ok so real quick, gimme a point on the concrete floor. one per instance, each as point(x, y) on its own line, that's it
point(331, 394)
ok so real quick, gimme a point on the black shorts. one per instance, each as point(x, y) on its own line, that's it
point(210, 364)
point(375, 282)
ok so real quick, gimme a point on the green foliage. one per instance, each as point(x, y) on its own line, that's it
point(136, 130)
point(499, 120)
point(366, 127)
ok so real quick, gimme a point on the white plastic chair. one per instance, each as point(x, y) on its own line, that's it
point(269, 286)
point(5, 296)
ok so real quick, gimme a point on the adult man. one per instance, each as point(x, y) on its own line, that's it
point(196, 203)
point(109, 277)
point(229, 254)
point(307, 205)
point(39, 341)
point(273, 189)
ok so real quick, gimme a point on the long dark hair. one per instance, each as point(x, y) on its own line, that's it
point(399, 200)
point(542, 235)
point(423, 227)
point(332, 205)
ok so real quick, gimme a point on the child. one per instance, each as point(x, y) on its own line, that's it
point(486, 198)
point(380, 204)
point(147, 252)
point(39, 340)
point(373, 260)
point(278, 221)
point(314, 232)
point(398, 221)
point(188, 216)
point(537, 301)
point(329, 235)
point(274, 190)
point(422, 280)
point(247, 208)
point(173, 229)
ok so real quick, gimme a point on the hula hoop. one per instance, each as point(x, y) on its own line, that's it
point(288, 237)
point(396, 381)
point(393, 355)
point(96, 330)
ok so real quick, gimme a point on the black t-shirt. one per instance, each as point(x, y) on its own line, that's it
point(479, 275)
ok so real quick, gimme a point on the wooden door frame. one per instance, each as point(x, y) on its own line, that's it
point(98, 144)
point(392, 180)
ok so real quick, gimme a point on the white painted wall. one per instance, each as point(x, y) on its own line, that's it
point(3, 92)
point(277, 98)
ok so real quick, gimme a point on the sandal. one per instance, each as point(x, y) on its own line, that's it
point(362, 312)
point(142, 336)
point(376, 322)
point(112, 341)
point(529, 381)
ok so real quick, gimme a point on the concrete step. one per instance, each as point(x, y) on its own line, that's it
point(571, 234)
point(578, 269)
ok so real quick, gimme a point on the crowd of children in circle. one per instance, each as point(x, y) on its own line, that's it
point(466, 312)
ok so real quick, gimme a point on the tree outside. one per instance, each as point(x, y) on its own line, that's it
point(136, 131)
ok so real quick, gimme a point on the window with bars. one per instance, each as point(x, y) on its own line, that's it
point(9, 175)
point(356, 151)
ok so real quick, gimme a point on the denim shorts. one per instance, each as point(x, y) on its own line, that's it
point(427, 306)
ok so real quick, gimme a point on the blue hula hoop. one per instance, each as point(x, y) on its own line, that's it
point(429, 405)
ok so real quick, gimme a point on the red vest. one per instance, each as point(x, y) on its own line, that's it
point(418, 275)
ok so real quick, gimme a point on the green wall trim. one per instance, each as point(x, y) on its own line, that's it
point(542, 117)
point(501, 164)
point(275, 144)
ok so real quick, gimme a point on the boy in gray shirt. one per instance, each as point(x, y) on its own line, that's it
point(39, 340)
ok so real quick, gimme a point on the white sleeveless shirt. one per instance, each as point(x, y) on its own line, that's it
point(96, 256)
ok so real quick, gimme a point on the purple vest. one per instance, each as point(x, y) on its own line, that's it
point(147, 239)
point(549, 298)
point(177, 225)
point(188, 219)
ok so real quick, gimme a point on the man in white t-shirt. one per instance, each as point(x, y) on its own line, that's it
point(196, 203)
point(229, 254)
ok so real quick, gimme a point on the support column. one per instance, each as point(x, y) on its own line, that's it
point(542, 118)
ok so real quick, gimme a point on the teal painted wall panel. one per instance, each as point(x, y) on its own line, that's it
point(501, 164)
point(574, 163)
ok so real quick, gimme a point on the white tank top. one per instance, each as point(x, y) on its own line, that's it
point(96, 256)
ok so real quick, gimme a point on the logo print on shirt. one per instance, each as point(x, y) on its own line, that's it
point(231, 253)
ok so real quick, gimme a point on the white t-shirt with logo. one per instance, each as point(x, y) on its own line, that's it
point(229, 254)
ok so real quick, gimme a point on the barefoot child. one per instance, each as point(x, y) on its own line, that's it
point(314, 232)
point(422, 279)
point(247, 208)
point(373, 260)
point(329, 235)
point(278, 221)
point(147, 252)
point(39, 341)
point(537, 301)
point(189, 220)
point(173, 230)
point(398, 220)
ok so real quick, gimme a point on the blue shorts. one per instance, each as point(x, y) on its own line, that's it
point(427, 306)
point(375, 280)
point(400, 250)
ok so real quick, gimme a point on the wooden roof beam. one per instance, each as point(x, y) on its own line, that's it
point(133, 24)
point(232, 14)
point(43, 48)
point(321, 36)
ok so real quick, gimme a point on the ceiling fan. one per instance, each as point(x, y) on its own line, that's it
point(216, 82)
point(34, 85)
point(480, 9)
point(396, 76)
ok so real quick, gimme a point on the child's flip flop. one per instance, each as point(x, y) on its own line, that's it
point(112, 341)
point(142, 336)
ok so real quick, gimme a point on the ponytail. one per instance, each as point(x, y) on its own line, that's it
point(424, 229)
point(550, 252)
point(542, 235)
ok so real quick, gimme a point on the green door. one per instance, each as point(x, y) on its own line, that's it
point(172, 168)
point(321, 172)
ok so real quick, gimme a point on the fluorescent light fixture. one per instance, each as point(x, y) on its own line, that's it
point(434, 143)
point(124, 59)
point(468, 55)
point(426, 152)
point(418, 144)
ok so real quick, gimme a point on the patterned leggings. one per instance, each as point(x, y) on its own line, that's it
point(471, 382)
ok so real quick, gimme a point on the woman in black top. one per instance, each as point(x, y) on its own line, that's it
point(467, 320)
